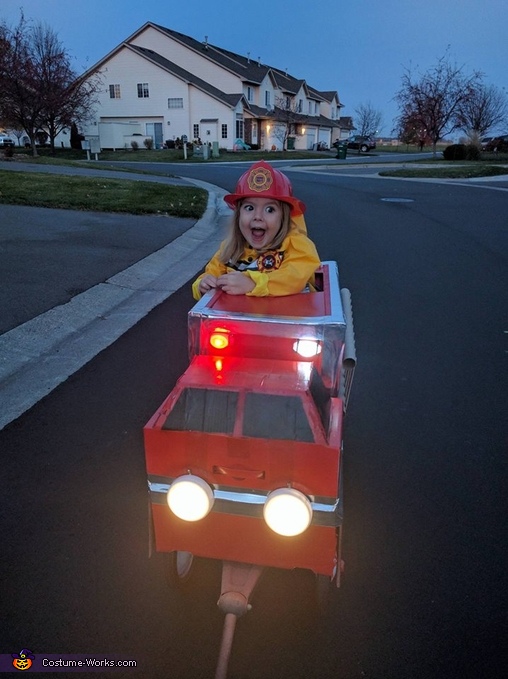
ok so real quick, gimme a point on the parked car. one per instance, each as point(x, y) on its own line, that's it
point(365, 144)
point(498, 144)
point(5, 141)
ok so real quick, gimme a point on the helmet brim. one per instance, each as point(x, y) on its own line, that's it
point(297, 206)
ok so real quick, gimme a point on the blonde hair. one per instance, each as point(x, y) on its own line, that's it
point(234, 244)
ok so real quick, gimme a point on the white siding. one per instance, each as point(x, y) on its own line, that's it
point(204, 108)
point(127, 69)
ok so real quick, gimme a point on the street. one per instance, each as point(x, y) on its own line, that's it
point(424, 590)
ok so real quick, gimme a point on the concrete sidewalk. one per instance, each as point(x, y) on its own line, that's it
point(38, 355)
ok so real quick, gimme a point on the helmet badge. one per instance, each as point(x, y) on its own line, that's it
point(260, 179)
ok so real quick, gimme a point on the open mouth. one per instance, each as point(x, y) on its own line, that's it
point(258, 234)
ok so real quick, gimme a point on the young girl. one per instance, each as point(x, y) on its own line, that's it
point(267, 251)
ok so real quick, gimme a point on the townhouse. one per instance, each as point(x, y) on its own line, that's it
point(167, 86)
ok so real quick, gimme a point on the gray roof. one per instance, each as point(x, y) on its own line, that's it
point(249, 70)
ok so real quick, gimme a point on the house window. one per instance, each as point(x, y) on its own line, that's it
point(224, 131)
point(114, 91)
point(239, 127)
point(249, 94)
point(267, 99)
point(174, 102)
point(300, 105)
point(195, 131)
point(143, 92)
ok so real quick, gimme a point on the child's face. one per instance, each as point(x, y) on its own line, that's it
point(260, 220)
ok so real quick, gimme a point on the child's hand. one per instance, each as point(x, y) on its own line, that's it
point(235, 283)
point(207, 283)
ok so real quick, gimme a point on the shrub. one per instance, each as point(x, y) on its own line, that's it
point(455, 152)
point(76, 137)
point(462, 152)
point(473, 152)
point(148, 143)
point(134, 145)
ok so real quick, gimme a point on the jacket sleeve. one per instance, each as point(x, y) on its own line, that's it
point(297, 269)
point(215, 267)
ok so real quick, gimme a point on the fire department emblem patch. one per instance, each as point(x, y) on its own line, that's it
point(269, 261)
point(260, 179)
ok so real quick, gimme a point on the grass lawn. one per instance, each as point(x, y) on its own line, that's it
point(101, 194)
point(160, 156)
point(449, 171)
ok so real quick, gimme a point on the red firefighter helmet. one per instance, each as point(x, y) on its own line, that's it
point(264, 181)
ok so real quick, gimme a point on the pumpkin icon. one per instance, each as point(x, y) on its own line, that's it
point(23, 659)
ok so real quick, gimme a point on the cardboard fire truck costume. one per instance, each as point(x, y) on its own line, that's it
point(253, 428)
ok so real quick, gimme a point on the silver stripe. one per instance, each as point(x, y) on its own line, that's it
point(251, 504)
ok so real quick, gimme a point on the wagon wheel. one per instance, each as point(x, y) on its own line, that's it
point(178, 568)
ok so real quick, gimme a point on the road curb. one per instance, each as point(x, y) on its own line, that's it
point(40, 354)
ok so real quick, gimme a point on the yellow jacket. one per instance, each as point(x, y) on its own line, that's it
point(285, 271)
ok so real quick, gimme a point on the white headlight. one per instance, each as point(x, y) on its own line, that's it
point(287, 511)
point(307, 348)
point(190, 498)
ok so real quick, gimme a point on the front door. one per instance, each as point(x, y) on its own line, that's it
point(154, 130)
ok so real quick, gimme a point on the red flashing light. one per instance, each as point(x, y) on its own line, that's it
point(219, 339)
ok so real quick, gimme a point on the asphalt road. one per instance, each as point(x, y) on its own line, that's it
point(424, 593)
point(74, 281)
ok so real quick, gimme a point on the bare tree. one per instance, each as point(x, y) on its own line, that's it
point(18, 134)
point(434, 99)
point(368, 120)
point(67, 98)
point(288, 120)
point(486, 108)
point(21, 103)
point(40, 90)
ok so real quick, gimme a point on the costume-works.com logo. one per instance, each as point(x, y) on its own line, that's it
point(22, 660)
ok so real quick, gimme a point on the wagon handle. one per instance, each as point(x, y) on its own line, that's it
point(238, 582)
